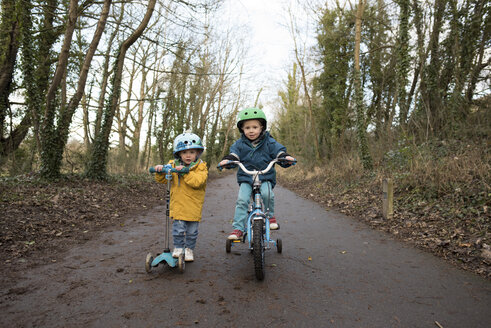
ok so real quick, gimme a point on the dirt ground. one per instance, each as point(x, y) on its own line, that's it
point(39, 219)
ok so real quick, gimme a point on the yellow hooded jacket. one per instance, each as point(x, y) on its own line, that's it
point(187, 192)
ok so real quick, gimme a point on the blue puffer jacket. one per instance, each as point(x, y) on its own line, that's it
point(256, 158)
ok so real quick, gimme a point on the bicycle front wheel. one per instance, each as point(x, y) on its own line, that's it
point(258, 248)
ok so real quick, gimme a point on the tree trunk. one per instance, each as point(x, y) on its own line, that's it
point(38, 83)
point(86, 121)
point(232, 119)
point(430, 85)
point(479, 65)
point(122, 118)
point(53, 151)
point(49, 156)
point(138, 122)
point(360, 108)
point(309, 105)
point(403, 60)
point(10, 32)
point(98, 160)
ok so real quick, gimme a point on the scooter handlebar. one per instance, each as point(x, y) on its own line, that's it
point(167, 170)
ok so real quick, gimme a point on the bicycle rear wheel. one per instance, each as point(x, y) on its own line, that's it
point(258, 248)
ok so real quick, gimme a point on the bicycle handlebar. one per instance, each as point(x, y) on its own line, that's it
point(254, 172)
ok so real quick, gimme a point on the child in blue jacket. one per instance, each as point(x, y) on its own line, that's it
point(255, 149)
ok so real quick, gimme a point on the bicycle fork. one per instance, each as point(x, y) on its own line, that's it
point(258, 214)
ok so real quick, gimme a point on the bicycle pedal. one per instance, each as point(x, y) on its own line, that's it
point(236, 241)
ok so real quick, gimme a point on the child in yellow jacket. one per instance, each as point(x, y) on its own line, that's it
point(187, 192)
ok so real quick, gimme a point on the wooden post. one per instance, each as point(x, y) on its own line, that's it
point(388, 198)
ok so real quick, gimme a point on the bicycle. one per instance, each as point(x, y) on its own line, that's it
point(257, 226)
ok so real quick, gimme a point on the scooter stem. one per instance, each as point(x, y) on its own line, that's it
point(167, 225)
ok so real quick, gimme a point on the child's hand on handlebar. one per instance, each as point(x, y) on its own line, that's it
point(287, 161)
point(162, 168)
point(224, 162)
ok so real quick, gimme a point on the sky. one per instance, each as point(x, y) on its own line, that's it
point(270, 46)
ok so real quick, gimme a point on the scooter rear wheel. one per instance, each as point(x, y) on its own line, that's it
point(181, 264)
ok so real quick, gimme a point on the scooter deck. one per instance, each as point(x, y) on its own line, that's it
point(167, 257)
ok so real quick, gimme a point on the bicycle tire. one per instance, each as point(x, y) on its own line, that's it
point(258, 248)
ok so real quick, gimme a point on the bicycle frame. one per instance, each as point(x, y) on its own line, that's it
point(257, 212)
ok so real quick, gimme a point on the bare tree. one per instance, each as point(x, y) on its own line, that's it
point(98, 160)
point(301, 64)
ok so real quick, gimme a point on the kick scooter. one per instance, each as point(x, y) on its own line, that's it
point(165, 257)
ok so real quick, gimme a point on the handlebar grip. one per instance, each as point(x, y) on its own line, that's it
point(229, 165)
point(153, 170)
point(286, 163)
point(166, 169)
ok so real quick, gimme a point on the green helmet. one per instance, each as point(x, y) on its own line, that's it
point(251, 114)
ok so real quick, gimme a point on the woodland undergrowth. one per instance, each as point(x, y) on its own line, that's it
point(442, 195)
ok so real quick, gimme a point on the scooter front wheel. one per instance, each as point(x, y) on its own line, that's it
point(148, 262)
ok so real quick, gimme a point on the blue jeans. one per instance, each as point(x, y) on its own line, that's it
point(245, 191)
point(184, 233)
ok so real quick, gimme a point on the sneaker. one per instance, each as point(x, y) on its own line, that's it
point(273, 225)
point(236, 234)
point(176, 252)
point(188, 255)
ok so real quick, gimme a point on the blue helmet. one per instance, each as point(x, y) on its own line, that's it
point(185, 141)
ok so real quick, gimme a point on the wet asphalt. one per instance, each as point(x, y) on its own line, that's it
point(333, 272)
